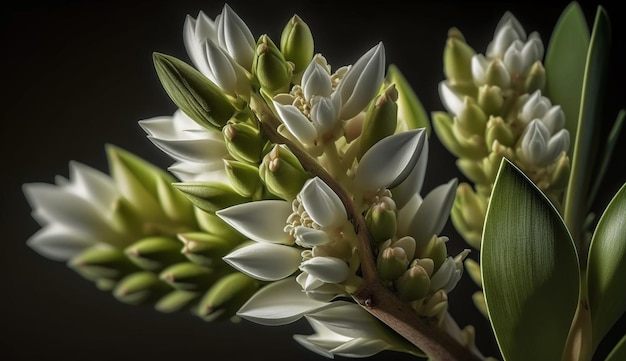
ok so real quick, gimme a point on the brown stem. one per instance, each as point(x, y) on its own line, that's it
point(372, 295)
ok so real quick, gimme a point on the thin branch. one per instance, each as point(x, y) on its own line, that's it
point(373, 296)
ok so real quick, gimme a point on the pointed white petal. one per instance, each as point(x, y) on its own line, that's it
point(309, 237)
point(434, 212)
point(298, 124)
point(200, 172)
point(406, 214)
point(557, 144)
point(390, 161)
point(554, 119)
point(265, 261)
point(360, 348)
point(316, 80)
point(322, 204)
point(93, 185)
point(324, 114)
point(261, 221)
point(451, 101)
point(194, 150)
point(195, 32)
point(279, 303)
point(235, 36)
point(326, 269)
point(479, 68)
point(349, 320)
point(413, 183)
point(59, 243)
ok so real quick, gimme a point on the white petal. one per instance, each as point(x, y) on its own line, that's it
point(195, 32)
point(324, 114)
point(362, 81)
point(406, 214)
point(535, 141)
point(451, 101)
point(557, 144)
point(265, 261)
point(93, 185)
point(349, 320)
point(298, 124)
point(554, 119)
point(261, 221)
point(235, 36)
point(413, 183)
point(194, 150)
point(327, 269)
point(316, 80)
point(279, 303)
point(223, 70)
point(360, 348)
point(200, 172)
point(59, 243)
point(322, 204)
point(308, 237)
point(479, 66)
point(390, 161)
point(434, 212)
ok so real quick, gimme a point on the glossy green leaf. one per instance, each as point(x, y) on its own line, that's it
point(589, 126)
point(606, 270)
point(411, 112)
point(607, 153)
point(566, 55)
point(529, 269)
point(619, 351)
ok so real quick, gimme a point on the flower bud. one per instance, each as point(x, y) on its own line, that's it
point(435, 306)
point(490, 99)
point(498, 130)
point(296, 44)
point(536, 78)
point(175, 301)
point(211, 196)
point(197, 96)
point(473, 171)
point(282, 173)
point(226, 296)
point(126, 220)
point(479, 301)
point(473, 269)
point(411, 112)
point(381, 220)
point(270, 67)
point(380, 119)
point(188, 276)
point(210, 223)
point(140, 287)
point(102, 262)
point(205, 249)
point(326, 269)
point(174, 204)
point(457, 58)
point(234, 35)
point(464, 147)
point(414, 284)
point(244, 142)
point(392, 263)
point(497, 74)
point(471, 120)
point(435, 249)
point(560, 174)
point(243, 177)
point(468, 214)
point(154, 253)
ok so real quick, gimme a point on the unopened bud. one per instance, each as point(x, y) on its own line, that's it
point(282, 173)
point(140, 287)
point(471, 120)
point(381, 221)
point(457, 58)
point(270, 67)
point(498, 130)
point(536, 78)
point(490, 99)
point(244, 177)
point(154, 253)
point(414, 284)
point(188, 276)
point(102, 262)
point(296, 43)
point(392, 263)
point(226, 296)
point(244, 142)
point(380, 119)
point(204, 248)
point(175, 301)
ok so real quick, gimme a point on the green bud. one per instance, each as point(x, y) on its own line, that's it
point(205, 249)
point(471, 120)
point(127, 221)
point(560, 174)
point(411, 112)
point(243, 177)
point(490, 99)
point(479, 301)
point(536, 78)
point(174, 204)
point(175, 301)
point(496, 74)
point(244, 142)
point(282, 173)
point(381, 221)
point(140, 287)
point(296, 44)
point(472, 170)
point(473, 269)
point(102, 262)
point(414, 284)
point(392, 263)
point(211, 223)
point(425, 263)
point(380, 119)
point(491, 164)
point(461, 147)
point(457, 59)
point(270, 67)
point(468, 213)
point(498, 130)
point(188, 276)
point(436, 306)
point(435, 249)
point(105, 284)
point(226, 296)
point(211, 197)
point(192, 92)
point(155, 253)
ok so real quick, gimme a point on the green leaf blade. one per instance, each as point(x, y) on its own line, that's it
point(529, 270)
point(565, 60)
point(606, 268)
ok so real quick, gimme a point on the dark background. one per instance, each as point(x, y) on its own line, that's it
point(78, 75)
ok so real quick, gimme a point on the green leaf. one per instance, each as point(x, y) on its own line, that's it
point(529, 269)
point(619, 351)
point(565, 64)
point(607, 153)
point(589, 126)
point(410, 110)
point(606, 267)
point(191, 91)
point(211, 197)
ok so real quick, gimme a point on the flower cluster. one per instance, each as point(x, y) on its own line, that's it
point(494, 110)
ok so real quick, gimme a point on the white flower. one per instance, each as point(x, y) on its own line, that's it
point(539, 148)
point(345, 329)
point(73, 213)
point(198, 151)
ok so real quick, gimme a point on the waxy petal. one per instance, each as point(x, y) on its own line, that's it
point(326, 269)
point(234, 35)
point(390, 161)
point(261, 221)
point(265, 261)
point(297, 123)
point(200, 172)
point(93, 185)
point(308, 237)
point(195, 32)
point(413, 183)
point(324, 114)
point(60, 243)
point(322, 204)
point(434, 211)
point(279, 303)
point(316, 80)
point(451, 101)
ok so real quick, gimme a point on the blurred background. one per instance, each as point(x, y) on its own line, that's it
point(79, 75)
